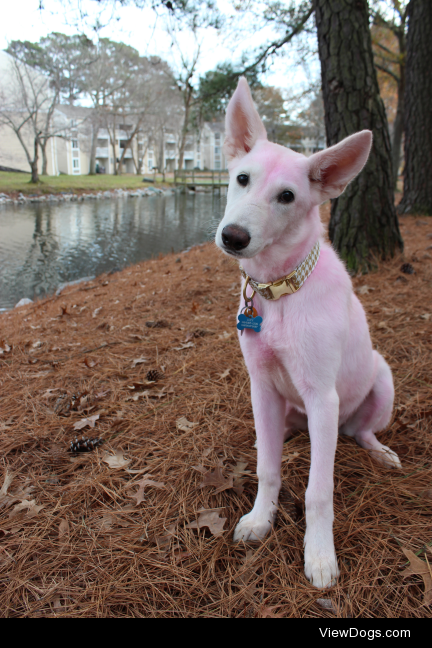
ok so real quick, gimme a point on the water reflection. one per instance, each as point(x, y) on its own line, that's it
point(43, 245)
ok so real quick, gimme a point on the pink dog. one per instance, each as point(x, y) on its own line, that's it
point(312, 364)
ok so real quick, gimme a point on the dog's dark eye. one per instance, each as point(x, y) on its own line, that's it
point(286, 197)
point(243, 179)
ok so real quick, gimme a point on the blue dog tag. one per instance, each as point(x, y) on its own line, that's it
point(245, 322)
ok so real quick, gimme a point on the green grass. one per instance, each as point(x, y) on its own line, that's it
point(20, 182)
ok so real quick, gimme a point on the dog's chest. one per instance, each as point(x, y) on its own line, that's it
point(272, 355)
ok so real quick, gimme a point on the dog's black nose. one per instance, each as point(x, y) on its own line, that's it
point(235, 237)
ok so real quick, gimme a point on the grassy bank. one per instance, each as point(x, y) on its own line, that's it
point(14, 183)
point(148, 359)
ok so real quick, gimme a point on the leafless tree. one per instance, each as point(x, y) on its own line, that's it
point(27, 106)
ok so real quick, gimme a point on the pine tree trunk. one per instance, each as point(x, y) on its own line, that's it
point(363, 223)
point(398, 130)
point(417, 196)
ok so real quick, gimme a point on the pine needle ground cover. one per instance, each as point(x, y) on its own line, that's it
point(145, 363)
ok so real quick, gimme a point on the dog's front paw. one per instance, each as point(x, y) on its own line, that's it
point(252, 527)
point(321, 567)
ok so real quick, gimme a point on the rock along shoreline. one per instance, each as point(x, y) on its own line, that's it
point(21, 199)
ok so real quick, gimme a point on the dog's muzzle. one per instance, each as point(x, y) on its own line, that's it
point(235, 238)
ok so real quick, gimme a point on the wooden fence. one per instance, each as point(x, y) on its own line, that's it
point(197, 178)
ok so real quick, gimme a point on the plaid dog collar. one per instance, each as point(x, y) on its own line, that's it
point(290, 283)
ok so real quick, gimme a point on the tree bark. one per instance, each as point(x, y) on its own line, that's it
point(417, 197)
point(34, 163)
point(95, 133)
point(398, 127)
point(187, 105)
point(363, 223)
point(44, 157)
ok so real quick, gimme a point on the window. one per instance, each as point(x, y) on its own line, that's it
point(75, 144)
point(217, 150)
point(217, 164)
point(217, 137)
point(75, 164)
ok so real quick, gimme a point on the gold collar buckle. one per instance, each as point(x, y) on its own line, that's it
point(286, 286)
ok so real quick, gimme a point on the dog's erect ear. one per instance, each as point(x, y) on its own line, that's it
point(243, 126)
point(332, 169)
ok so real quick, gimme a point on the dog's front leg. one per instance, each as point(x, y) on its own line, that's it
point(269, 414)
point(320, 558)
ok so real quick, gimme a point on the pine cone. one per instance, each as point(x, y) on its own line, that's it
point(407, 268)
point(154, 375)
point(84, 444)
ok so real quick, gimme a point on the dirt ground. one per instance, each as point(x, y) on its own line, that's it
point(142, 525)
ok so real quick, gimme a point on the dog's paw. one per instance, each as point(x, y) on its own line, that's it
point(321, 567)
point(386, 457)
point(252, 528)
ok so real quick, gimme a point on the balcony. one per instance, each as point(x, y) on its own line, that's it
point(102, 152)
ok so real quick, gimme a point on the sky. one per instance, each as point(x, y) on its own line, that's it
point(140, 28)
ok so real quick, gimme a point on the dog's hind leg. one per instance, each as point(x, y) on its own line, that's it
point(269, 414)
point(294, 420)
point(373, 415)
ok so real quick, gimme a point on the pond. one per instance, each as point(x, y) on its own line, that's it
point(44, 245)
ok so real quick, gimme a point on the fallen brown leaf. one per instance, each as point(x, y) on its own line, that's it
point(225, 335)
point(209, 518)
point(90, 363)
point(138, 361)
point(164, 541)
point(364, 290)
point(246, 573)
point(267, 612)
point(145, 481)
point(90, 421)
point(63, 528)
point(225, 374)
point(139, 395)
point(31, 506)
point(216, 478)
point(49, 393)
point(4, 347)
point(188, 345)
point(4, 498)
point(184, 425)
point(116, 461)
point(240, 475)
point(140, 385)
point(289, 457)
point(419, 568)
point(327, 604)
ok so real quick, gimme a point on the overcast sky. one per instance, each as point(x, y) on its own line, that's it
point(23, 20)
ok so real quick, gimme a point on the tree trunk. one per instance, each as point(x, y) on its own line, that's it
point(44, 157)
point(35, 162)
point(363, 223)
point(95, 133)
point(187, 105)
point(398, 129)
point(417, 196)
